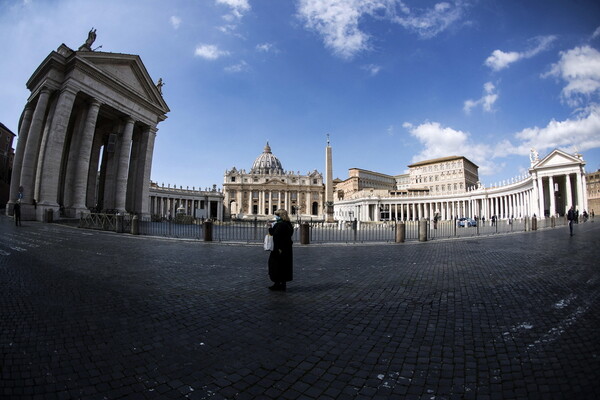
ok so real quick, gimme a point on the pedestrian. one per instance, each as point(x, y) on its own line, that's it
point(281, 264)
point(571, 218)
point(17, 213)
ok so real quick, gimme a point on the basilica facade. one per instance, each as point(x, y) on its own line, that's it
point(266, 187)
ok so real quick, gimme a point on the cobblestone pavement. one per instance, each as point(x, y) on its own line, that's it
point(94, 315)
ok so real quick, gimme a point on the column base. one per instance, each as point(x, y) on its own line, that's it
point(10, 206)
point(46, 212)
point(28, 212)
point(76, 211)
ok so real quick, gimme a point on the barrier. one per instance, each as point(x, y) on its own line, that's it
point(254, 231)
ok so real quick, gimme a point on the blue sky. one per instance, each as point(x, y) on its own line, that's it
point(391, 81)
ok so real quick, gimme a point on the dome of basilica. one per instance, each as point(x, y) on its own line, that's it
point(267, 163)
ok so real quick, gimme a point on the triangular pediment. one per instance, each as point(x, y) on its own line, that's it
point(558, 158)
point(275, 182)
point(128, 71)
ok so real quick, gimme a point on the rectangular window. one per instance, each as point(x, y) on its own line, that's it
point(233, 179)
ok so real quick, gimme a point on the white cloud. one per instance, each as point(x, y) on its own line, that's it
point(431, 22)
point(210, 52)
point(265, 47)
point(501, 59)
point(579, 133)
point(175, 21)
point(580, 69)
point(596, 33)
point(372, 69)
point(440, 141)
point(337, 21)
point(239, 67)
point(238, 9)
point(486, 101)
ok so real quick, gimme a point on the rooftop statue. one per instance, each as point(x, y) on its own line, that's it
point(534, 156)
point(87, 46)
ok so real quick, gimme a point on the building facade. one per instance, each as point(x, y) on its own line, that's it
point(554, 184)
point(360, 179)
point(267, 187)
point(86, 135)
point(166, 202)
point(593, 191)
point(7, 154)
point(443, 175)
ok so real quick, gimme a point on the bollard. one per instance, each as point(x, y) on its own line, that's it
point(534, 224)
point(305, 233)
point(208, 231)
point(119, 224)
point(135, 227)
point(400, 232)
point(526, 224)
point(423, 230)
point(552, 221)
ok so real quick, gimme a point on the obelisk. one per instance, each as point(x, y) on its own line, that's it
point(328, 183)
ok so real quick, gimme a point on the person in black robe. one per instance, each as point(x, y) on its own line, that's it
point(281, 264)
point(17, 213)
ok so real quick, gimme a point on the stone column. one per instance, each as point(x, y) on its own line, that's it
point(145, 160)
point(51, 167)
point(551, 194)
point(18, 159)
point(579, 192)
point(250, 201)
point(31, 152)
point(123, 165)
point(569, 199)
point(83, 161)
point(584, 191)
point(541, 197)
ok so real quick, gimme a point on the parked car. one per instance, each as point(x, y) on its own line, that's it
point(467, 222)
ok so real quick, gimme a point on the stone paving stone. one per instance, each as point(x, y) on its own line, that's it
point(86, 314)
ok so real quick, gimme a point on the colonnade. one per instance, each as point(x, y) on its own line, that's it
point(85, 140)
point(167, 202)
point(550, 190)
point(65, 161)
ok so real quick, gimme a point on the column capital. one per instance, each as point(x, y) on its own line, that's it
point(95, 102)
point(129, 119)
point(69, 90)
point(46, 89)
